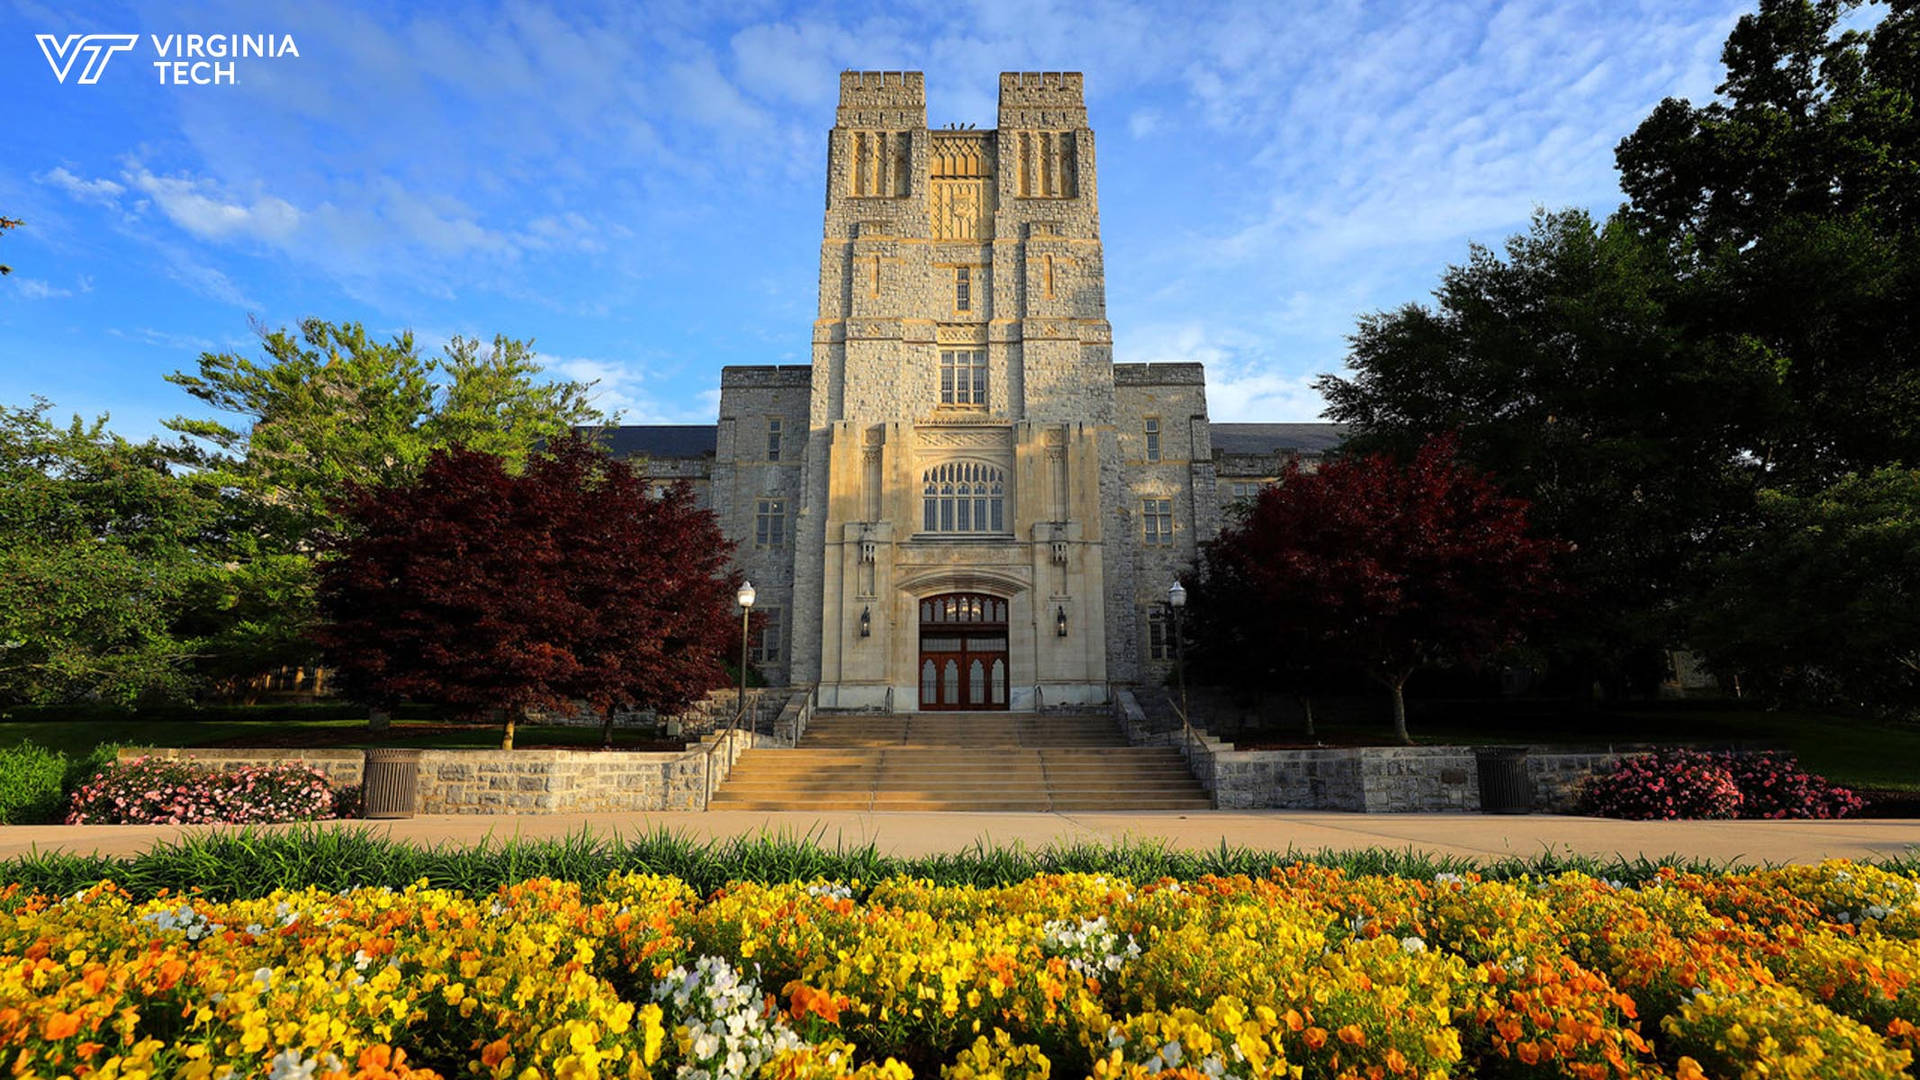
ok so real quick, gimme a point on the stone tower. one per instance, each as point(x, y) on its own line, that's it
point(961, 405)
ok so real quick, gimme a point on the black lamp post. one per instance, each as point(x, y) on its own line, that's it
point(745, 596)
point(1177, 600)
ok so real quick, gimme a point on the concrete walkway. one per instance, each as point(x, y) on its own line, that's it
point(909, 834)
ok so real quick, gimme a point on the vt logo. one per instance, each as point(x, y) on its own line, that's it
point(99, 48)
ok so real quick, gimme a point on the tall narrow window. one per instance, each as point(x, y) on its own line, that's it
point(963, 377)
point(770, 628)
point(773, 438)
point(1156, 516)
point(963, 288)
point(1153, 438)
point(1159, 645)
point(770, 524)
point(964, 496)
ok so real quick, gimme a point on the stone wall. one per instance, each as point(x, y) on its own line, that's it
point(1369, 779)
point(522, 781)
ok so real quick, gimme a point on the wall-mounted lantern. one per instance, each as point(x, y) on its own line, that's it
point(866, 622)
point(1060, 621)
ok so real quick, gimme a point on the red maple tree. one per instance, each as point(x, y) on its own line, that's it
point(481, 589)
point(1384, 566)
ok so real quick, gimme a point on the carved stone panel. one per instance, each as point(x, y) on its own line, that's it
point(962, 209)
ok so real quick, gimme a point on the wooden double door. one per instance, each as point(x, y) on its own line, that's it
point(963, 652)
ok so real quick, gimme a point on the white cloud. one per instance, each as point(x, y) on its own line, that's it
point(1244, 377)
point(103, 191)
point(196, 206)
point(35, 289)
point(623, 387)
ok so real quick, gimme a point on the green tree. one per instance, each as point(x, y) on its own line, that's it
point(1821, 601)
point(107, 549)
point(333, 409)
point(1565, 374)
point(1792, 207)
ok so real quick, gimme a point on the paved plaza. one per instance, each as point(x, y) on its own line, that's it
point(912, 834)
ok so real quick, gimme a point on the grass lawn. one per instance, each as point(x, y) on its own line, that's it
point(319, 727)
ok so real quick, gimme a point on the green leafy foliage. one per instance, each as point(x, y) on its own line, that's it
point(249, 863)
point(104, 546)
point(32, 784)
point(1820, 600)
point(36, 780)
point(1749, 320)
point(1564, 373)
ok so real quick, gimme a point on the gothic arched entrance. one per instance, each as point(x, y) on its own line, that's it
point(963, 652)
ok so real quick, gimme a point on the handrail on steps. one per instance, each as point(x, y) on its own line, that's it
point(733, 725)
point(1186, 728)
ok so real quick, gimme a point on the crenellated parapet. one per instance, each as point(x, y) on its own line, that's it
point(1042, 99)
point(882, 99)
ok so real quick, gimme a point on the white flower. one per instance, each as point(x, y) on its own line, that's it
point(1413, 945)
point(1448, 877)
point(287, 1065)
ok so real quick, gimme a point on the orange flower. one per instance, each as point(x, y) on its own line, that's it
point(1294, 1023)
point(1316, 1038)
point(61, 1025)
point(1396, 1061)
point(494, 1053)
point(377, 1056)
point(1689, 1069)
point(1352, 1035)
point(1528, 1052)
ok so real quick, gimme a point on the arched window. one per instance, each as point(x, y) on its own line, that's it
point(964, 497)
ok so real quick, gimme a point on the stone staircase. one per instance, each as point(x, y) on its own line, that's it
point(985, 761)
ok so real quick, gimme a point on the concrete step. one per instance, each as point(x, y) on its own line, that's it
point(959, 762)
point(722, 800)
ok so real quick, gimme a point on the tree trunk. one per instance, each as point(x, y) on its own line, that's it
point(606, 728)
point(506, 737)
point(1306, 710)
point(1399, 688)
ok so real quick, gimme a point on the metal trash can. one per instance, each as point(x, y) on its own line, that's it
point(392, 777)
point(1505, 787)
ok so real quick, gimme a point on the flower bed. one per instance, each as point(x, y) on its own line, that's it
point(1680, 784)
point(149, 790)
point(1805, 971)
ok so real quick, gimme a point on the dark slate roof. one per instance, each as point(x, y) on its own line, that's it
point(1277, 438)
point(659, 440)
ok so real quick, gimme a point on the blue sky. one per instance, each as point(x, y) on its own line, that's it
point(638, 186)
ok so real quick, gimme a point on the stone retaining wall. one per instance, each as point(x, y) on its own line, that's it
point(1372, 779)
point(522, 781)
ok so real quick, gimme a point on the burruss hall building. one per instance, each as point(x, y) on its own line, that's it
point(964, 502)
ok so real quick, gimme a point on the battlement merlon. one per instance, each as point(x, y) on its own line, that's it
point(1042, 99)
point(883, 99)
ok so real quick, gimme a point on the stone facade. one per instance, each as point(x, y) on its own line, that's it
point(961, 337)
point(522, 781)
point(1367, 779)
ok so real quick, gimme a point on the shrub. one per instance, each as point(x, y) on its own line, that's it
point(1674, 784)
point(154, 790)
point(350, 801)
point(32, 781)
point(1667, 785)
point(1772, 785)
